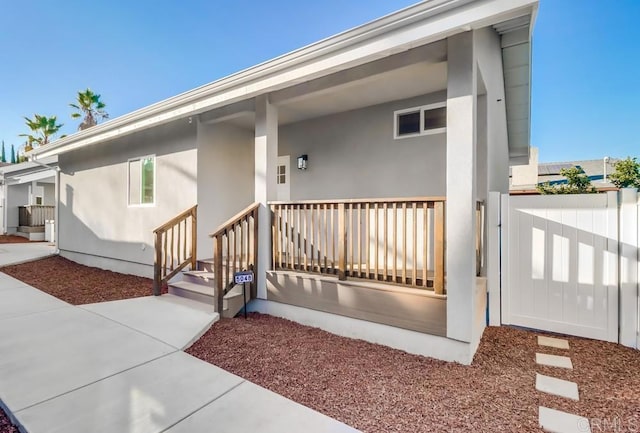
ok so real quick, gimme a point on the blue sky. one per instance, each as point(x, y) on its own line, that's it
point(586, 85)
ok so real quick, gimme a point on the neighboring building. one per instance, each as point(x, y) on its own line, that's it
point(364, 154)
point(523, 179)
point(28, 197)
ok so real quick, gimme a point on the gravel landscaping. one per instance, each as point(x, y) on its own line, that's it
point(12, 239)
point(78, 284)
point(382, 390)
point(5, 424)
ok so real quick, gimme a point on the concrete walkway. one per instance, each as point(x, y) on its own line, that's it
point(11, 254)
point(118, 367)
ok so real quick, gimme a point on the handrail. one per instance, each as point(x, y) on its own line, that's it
point(173, 253)
point(363, 200)
point(395, 240)
point(235, 248)
point(233, 219)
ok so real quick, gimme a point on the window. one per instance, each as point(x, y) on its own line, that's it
point(142, 181)
point(412, 122)
point(282, 175)
point(38, 200)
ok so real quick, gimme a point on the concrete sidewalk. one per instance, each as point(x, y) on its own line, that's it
point(18, 253)
point(117, 367)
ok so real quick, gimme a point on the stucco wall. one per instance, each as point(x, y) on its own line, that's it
point(49, 197)
point(17, 195)
point(354, 155)
point(95, 218)
point(225, 177)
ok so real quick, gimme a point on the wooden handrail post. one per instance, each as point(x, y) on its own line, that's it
point(254, 287)
point(157, 270)
point(194, 238)
point(219, 280)
point(438, 281)
point(342, 242)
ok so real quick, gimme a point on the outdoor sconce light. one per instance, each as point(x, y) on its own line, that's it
point(302, 162)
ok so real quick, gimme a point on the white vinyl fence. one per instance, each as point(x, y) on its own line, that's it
point(569, 264)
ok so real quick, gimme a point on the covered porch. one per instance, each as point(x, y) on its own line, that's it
point(367, 184)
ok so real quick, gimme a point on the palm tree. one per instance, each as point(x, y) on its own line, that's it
point(90, 107)
point(42, 128)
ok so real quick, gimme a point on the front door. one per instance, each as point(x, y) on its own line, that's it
point(283, 178)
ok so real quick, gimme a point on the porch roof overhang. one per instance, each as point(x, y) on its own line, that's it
point(414, 26)
point(515, 37)
point(29, 171)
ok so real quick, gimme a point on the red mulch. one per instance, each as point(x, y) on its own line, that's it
point(79, 284)
point(12, 239)
point(378, 389)
point(5, 424)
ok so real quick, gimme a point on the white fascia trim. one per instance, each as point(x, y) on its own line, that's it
point(416, 25)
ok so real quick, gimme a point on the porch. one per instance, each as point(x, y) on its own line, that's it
point(32, 220)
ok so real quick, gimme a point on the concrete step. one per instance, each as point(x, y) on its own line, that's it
point(205, 265)
point(199, 277)
point(232, 302)
point(194, 291)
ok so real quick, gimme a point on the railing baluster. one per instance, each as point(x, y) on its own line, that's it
point(376, 244)
point(299, 238)
point(414, 215)
point(342, 242)
point(438, 281)
point(385, 233)
point(326, 240)
point(404, 243)
point(359, 209)
point(333, 238)
point(425, 242)
point(395, 242)
point(367, 241)
point(313, 234)
point(350, 231)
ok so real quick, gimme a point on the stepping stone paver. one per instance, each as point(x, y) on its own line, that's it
point(555, 421)
point(559, 387)
point(558, 343)
point(554, 360)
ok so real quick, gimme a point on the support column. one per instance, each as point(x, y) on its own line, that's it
point(461, 194)
point(266, 159)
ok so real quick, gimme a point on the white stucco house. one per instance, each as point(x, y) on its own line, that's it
point(361, 162)
point(28, 197)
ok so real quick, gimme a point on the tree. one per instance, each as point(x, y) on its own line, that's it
point(13, 154)
point(626, 174)
point(577, 183)
point(3, 158)
point(43, 129)
point(90, 107)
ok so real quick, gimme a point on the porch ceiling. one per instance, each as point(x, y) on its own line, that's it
point(413, 80)
point(405, 82)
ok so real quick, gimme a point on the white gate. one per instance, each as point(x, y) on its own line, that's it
point(560, 264)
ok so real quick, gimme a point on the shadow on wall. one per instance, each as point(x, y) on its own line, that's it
point(75, 236)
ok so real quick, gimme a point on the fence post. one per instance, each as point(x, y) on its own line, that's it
point(342, 242)
point(628, 266)
point(157, 263)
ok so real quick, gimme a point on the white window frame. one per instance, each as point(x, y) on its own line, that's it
point(421, 109)
point(155, 170)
